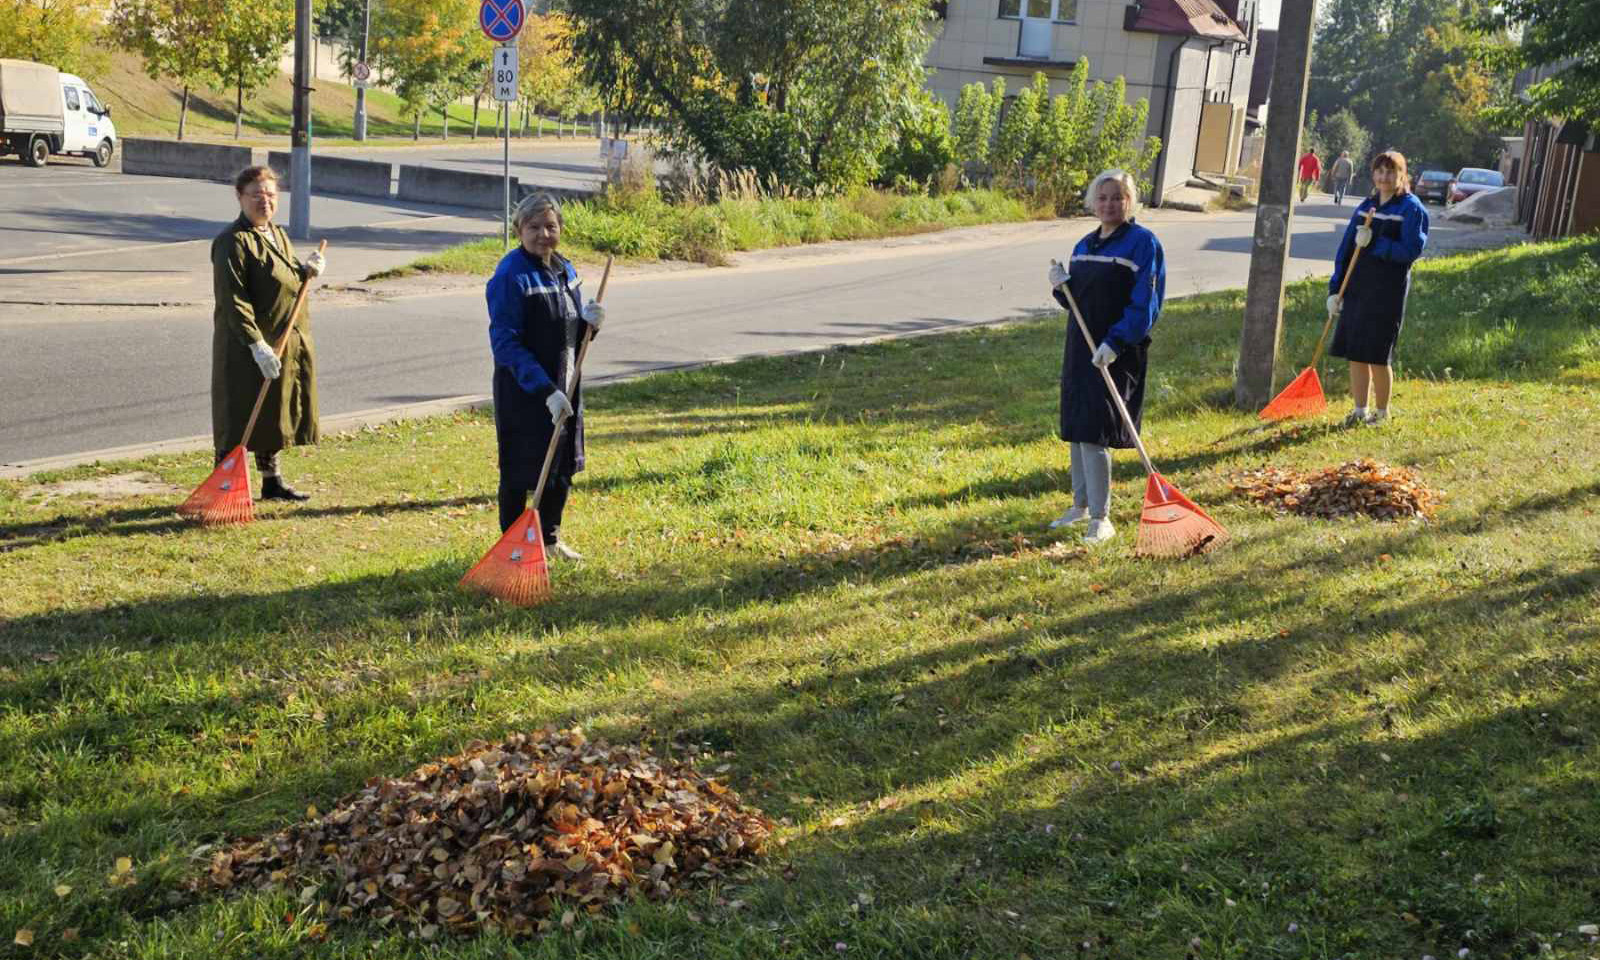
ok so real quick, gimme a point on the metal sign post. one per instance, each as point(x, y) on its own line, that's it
point(505, 74)
point(501, 21)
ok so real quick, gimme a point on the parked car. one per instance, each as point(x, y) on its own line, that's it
point(1473, 180)
point(1434, 185)
point(44, 111)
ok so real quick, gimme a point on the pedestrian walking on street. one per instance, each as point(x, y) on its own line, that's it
point(1374, 304)
point(536, 319)
point(1118, 276)
point(255, 277)
point(1340, 173)
point(1310, 173)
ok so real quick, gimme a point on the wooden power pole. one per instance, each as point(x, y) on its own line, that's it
point(1269, 254)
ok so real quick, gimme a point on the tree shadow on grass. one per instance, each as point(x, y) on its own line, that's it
point(163, 520)
point(839, 728)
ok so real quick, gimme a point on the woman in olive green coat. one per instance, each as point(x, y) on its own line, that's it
point(256, 277)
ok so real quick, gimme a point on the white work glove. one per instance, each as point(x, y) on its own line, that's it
point(1363, 235)
point(1104, 356)
point(1335, 304)
point(266, 360)
point(315, 264)
point(593, 314)
point(559, 406)
point(1058, 274)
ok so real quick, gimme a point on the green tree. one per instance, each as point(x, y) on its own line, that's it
point(178, 39)
point(430, 51)
point(1050, 147)
point(805, 92)
point(1564, 32)
point(1339, 132)
point(977, 112)
point(922, 145)
point(1398, 65)
point(61, 33)
point(250, 41)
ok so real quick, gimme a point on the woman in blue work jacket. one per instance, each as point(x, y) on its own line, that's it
point(536, 319)
point(1374, 304)
point(1118, 276)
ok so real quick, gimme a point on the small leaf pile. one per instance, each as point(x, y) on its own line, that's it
point(517, 836)
point(1360, 487)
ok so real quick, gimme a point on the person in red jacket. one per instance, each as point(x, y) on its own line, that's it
point(1310, 172)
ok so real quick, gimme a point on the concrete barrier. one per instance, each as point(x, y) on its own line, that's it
point(453, 187)
point(174, 158)
point(338, 175)
point(563, 194)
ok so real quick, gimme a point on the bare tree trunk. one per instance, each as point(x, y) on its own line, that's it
point(475, 101)
point(524, 118)
point(238, 110)
point(183, 112)
point(444, 112)
point(416, 127)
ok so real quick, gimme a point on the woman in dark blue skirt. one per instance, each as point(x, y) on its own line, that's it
point(537, 316)
point(1118, 277)
point(1374, 305)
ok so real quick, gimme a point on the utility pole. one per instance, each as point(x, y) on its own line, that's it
point(300, 138)
point(1269, 254)
point(361, 91)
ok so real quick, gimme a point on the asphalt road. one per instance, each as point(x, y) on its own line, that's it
point(76, 379)
point(71, 208)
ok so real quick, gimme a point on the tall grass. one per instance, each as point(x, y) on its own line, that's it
point(635, 221)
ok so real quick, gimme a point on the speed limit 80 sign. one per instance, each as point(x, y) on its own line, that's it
point(505, 74)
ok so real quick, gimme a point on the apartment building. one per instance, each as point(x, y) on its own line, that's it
point(1190, 58)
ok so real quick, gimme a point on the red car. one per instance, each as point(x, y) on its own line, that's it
point(1473, 180)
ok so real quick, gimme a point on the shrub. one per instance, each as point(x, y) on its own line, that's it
point(922, 145)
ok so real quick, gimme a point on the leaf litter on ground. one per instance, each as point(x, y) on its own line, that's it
point(513, 836)
point(1364, 487)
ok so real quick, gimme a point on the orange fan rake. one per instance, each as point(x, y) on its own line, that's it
point(1303, 397)
point(1170, 524)
point(516, 569)
point(224, 497)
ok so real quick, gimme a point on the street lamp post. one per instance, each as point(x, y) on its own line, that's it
point(361, 91)
point(300, 138)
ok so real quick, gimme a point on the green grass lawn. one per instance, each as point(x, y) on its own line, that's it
point(142, 107)
point(1329, 739)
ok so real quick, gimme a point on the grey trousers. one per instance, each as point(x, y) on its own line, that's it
point(1091, 479)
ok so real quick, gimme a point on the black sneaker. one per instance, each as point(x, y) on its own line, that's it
point(273, 488)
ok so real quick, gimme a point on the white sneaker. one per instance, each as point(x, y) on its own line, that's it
point(1098, 531)
point(1356, 418)
point(1074, 515)
point(560, 551)
point(1377, 417)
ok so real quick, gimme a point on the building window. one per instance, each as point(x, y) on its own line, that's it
point(1063, 11)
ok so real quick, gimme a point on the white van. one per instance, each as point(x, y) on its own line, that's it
point(44, 111)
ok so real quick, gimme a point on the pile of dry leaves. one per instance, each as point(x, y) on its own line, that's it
point(1358, 487)
point(517, 836)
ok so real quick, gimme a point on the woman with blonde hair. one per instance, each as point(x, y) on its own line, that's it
point(1118, 276)
point(536, 319)
point(1374, 304)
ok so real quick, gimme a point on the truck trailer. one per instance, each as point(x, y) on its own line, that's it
point(45, 112)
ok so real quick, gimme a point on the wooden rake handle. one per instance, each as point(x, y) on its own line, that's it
point(1343, 285)
point(277, 351)
point(577, 367)
point(1111, 385)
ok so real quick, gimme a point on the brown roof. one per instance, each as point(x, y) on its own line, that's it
point(1195, 18)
